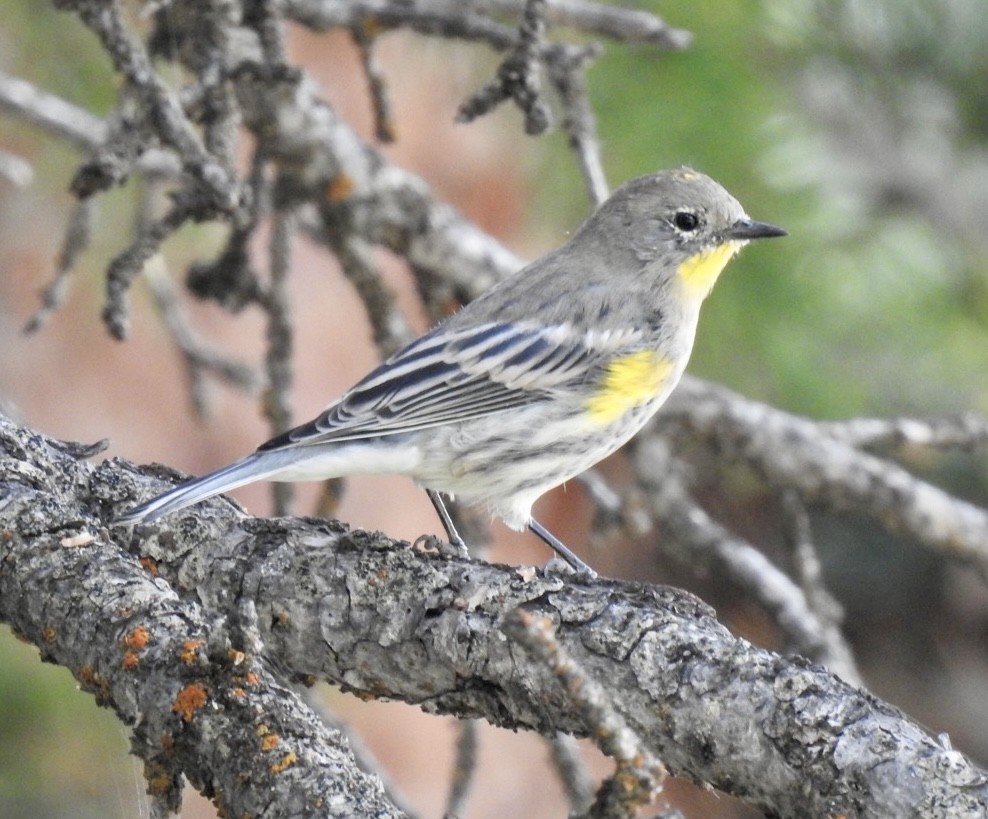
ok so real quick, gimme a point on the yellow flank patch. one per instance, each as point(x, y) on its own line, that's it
point(629, 382)
point(699, 273)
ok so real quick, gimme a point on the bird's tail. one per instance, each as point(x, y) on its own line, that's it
point(255, 467)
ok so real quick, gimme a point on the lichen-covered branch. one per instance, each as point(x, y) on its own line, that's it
point(386, 621)
point(478, 20)
point(700, 538)
point(76, 239)
point(201, 705)
point(517, 77)
point(796, 453)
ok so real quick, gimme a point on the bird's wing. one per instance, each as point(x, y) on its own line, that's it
point(448, 376)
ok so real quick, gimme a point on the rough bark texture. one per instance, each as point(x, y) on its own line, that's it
point(188, 629)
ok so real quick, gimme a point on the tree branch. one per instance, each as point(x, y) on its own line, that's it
point(453, 18)
point(796, 453)
point(199, 705)
point(700, 538)
point(378, 618)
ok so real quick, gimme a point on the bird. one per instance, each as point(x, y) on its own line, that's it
point(536, 380)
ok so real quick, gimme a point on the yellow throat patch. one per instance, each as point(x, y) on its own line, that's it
point(629, 382)
point(699, 273)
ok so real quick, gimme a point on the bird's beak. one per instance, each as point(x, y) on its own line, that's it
point(745, 229)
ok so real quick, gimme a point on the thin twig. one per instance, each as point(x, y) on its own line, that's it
point(114, 159)
point(75, 241)
point(639, 775)
point(517, 77)
point(572, 772)
point(218, 110)
point(703, 539)
point(797, 534)
point(229, 279)
point(627, 25)
point(199, 358)
point(132, 61)
point(69, 122)
point(278, 360)
point(268, 21)
point(566, 71)
point(126, 266)
point(384, 126)
point(464, 768)
point(389, 327)
point(459, 20)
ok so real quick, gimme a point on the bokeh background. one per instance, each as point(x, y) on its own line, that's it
point(861, 126)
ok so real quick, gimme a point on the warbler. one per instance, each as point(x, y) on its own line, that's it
point(539, 378)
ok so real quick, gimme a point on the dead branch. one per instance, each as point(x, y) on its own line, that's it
point(206, 603)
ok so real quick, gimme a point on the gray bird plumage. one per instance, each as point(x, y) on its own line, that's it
point(537, 379)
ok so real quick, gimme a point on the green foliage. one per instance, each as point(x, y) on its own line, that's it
point(57, 741)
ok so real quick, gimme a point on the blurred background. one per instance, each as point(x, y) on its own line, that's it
point(860, 126)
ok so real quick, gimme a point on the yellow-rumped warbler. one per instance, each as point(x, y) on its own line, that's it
point(538, 379)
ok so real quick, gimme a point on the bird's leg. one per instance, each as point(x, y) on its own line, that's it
point(447, 522)
point(544, 534)
point(561, 549)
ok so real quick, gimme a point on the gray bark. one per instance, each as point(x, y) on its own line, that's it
point(190, 628)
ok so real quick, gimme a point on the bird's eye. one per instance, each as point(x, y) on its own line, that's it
point(686, 221)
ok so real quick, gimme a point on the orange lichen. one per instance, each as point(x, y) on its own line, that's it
point(189, 700)
point(270, 742)
point(190, 651)
point(236, 657)
point(158, 778)
point(137, 639)
point(238, 693)
point(380, 574)
point(130, 661)
point(372, 26)
point(93, 682)
point(284, 763)
point(48, 634)
point(340, 187)
point(252, 679)
point(150, 566)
